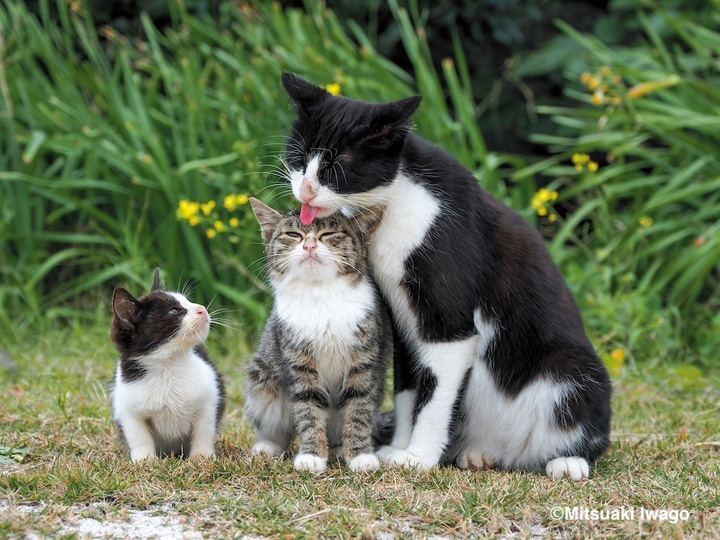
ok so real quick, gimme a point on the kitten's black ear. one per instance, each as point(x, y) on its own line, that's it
point(124, 307)
point(157, 284)
point(266, 217)
point(386, 116)
point(368, 220)
point(302, 93)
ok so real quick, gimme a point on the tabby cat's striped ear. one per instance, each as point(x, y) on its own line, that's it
point(368, 220)
point(266, 217)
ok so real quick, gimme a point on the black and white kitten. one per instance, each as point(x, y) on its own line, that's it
point(319, 371)
point(167, 397)
point(492, 364)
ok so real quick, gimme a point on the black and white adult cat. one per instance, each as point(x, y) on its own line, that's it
point(492, 364)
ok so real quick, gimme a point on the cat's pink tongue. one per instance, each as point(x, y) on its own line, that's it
point(308, 213)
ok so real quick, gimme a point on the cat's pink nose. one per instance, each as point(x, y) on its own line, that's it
point(308, 190)
point(309, 245)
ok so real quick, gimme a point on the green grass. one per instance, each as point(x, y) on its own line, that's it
point(664, 455)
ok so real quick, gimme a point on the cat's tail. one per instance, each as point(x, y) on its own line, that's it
point(384, 428)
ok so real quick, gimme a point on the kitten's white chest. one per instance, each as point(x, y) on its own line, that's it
point(169, 395)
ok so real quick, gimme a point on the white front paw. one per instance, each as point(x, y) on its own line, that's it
point(576, 468)
point(266, 448)
point(310, 462)
point(142, 454)
point(364, 463)
point(384, 453)
point(408, 460)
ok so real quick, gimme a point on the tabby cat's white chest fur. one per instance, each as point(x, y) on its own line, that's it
point(326, 316)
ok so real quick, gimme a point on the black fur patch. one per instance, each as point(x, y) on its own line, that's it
point(140, 326)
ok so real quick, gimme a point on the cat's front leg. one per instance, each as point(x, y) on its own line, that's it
point(202, 442)
point(446, 369)
point(359, 407)
point(405, 385)
point(310, 416)
point(138, 436)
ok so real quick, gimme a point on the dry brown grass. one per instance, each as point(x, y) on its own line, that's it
point(664, 456)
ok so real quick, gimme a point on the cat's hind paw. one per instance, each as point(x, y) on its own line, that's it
point(266, 448)
point(310, 462)
point(364, 463)
point(576, 468)
point(473, 460)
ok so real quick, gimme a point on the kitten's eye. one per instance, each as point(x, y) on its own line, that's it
point(325, 236)
point(293, 234)
point(174, 311)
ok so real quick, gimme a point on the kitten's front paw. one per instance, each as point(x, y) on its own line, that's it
point(266, 448)
point(143, 454)
point(407, 460)
point(364, 463)
point(310, 462)
point(574, 467)
point(473, 460)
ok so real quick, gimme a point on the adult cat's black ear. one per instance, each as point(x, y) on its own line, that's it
point(392, 117)
point(157, 284)
point(266, 217)
point(124, 307)
point(368, 220)
point(301, 92)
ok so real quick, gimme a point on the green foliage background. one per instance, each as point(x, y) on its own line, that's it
point(103, 135)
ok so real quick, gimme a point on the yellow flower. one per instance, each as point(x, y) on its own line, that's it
point(614, 362)
point(646, 221)
point(542, 211)
point(241, 199)
point(643, 89)
point(211, 233)
point(193, 220)
point(333, 89)
point(585, 77)
point(229, 203)
point(553, 195)
point(234, 222)
point(207, 207)
point(598, 97)
point(187, 209)
point(580, 158)
point(552, 218)
point(592, 166)
point(578, 167)
point(219, 226)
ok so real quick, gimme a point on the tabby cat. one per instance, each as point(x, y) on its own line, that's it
point(320, 367)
